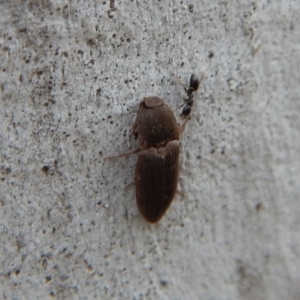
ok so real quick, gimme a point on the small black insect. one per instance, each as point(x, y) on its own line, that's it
point(193, 87)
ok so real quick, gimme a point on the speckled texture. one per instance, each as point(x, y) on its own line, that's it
point(72, 74)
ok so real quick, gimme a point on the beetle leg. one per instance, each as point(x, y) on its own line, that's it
point(182, 127)
point(124, 154)
point(135, 131)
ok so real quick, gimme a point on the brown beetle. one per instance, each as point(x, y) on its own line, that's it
point(156, 171)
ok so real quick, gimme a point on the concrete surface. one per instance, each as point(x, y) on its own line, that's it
point(72, 75)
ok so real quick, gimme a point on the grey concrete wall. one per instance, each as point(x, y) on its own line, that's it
point(72, 75)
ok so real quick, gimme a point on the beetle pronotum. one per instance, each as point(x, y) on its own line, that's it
point(156, 171)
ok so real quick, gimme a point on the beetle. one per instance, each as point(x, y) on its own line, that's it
point(156, 171)
point(157, 167)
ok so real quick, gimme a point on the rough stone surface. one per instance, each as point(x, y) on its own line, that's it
point(72, 74)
